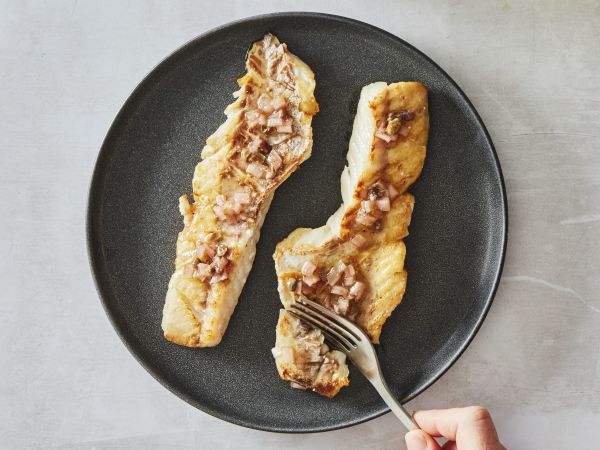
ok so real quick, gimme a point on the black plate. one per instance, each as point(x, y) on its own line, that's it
point(455, 250)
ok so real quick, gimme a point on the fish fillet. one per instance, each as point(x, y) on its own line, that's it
point(354, 264)
point(266, 136)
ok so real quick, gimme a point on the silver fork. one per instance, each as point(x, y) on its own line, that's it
point(351, 340)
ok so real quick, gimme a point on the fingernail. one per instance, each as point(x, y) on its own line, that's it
point(415, 440)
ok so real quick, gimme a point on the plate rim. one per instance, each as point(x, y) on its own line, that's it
point(96, 188)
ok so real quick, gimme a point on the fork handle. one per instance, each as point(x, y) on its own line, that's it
point(383, 389)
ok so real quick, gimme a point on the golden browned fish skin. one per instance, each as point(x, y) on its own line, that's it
point(266, 136)
point(354, 264)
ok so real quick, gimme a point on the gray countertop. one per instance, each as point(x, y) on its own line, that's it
point(532, 69)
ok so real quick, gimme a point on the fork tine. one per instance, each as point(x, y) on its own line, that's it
point(317, 321)
point(325, 320)
point(342, 322)
point(324, 327)
point(333, 319)
point(336, 344)
point(330, 337)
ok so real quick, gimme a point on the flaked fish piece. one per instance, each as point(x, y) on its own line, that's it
point(266, 136)
point(354, 265)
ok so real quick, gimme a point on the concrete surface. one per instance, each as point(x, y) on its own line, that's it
point(532, 70)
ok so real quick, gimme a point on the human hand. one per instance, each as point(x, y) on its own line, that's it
point(468, 428)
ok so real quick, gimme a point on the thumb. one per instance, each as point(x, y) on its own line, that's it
point(419, 440)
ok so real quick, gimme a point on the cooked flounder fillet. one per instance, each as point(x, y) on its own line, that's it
point(354, 264)
point(266, 136)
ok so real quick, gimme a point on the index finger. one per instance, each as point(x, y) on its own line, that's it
point(448, 422)
point(439, 422)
